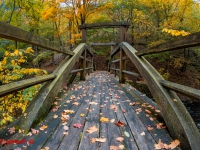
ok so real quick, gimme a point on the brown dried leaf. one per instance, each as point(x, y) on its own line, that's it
point(103, 119)
point(113, 107)
point(43, 127)
point(112, 147)
point(119, 123)
point(11, 130)
point(34, 131)
point(76, 103)
point(174, 144)
point(160, 145)
point(150, 128)
point(119, 139)
point(147, 111)
point(92, 129)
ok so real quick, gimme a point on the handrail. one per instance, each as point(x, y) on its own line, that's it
point(19, 85)
point(176, 116)
point(185, 90)
point(13, 33)
point(190, 40)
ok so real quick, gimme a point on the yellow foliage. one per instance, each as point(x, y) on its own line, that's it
point(13, 105)
point(175, 32)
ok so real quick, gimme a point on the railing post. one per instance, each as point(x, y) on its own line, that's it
point(83, 65)
point(122, 66)
point(84, 35)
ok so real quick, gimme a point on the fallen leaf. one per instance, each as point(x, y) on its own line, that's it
point(93, 103)
point(112, 120)
point(11, 130)
point(119, 139)
point(76, 103)
point(25, 114)
point(68, 101)
point(67, 112)
point(175, 100)
point(157, 110)
point(160, 126)
point(103, 119)
point(65, 133)
point(82, 115)
point(138, 110)
point(63, 119)
point(102, 140)
point(174, 144)
point(29, 134)
point(73, 97)
point(43, 127)
point(151, 118)
point(121, 146)
point(143, 133)
point(113, 107)
point(150, 128)
point(34, 131)
point(126, 134)
point(112, 147)
point(92, 129)
point(147, 111)
point(77, 125)
point(55, 116)
point(65, 127)
point(132, 104)
point(123, 111)
point(160, 145)
point(119, 123)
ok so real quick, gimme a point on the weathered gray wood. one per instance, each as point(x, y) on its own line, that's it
point(123, 33)
point(19, 85)
point(84, 35)
point(92, 120)
point(179, 43)
point(118, 60)
point(176, 116)
point(115, 51)
point(88, 60)
point(13, 33)
point(77, 70)
point(103, 44)
point(71, 141)
point(89, 51)
point(104, 25)
point(185, 90)
point(41, 103)
point(83, 65)
point(122, 67)
point(132, 73)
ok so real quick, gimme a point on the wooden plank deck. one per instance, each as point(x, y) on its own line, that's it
point(90, 101)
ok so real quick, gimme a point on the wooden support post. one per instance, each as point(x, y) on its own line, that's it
point(122, 66)
point(83, 65)
point(84, 35)
point(123, 33)
point(115, 72)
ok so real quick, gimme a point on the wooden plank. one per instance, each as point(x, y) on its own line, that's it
point(13, 33)
point(122, 66)
point(92, 120)
point(89, 51)
point(136, 125)
point(104, 25)
point(19, 85)
point(118, 60)
point(103, 44)
point(190, 40)
point(41, 103)
point(185, 90)
point(71, 141)
point(115, 51)
point(89, 60)
point(176, 116)
point(129, 142)
point(108, 130)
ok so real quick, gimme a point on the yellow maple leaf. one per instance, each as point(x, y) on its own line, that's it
point(103, 119)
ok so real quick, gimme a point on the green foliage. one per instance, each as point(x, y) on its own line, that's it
point(43, 56)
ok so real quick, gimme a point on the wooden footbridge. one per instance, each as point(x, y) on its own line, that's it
point(101, 111)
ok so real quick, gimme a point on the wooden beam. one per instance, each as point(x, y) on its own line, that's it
point(115, 51)
point(76, 70)
point(137, 75)
point(122, 66)
point(89, 51)
point(117, 60)
point(83, 65)
point(185, 90)
point(13, 33)
point(103, 44)
point(176, 116)
point(179, 43)
point(19, 85)
point(104, 25)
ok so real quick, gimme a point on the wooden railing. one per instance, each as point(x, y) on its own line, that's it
point(42, 102)
point(176, 116)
